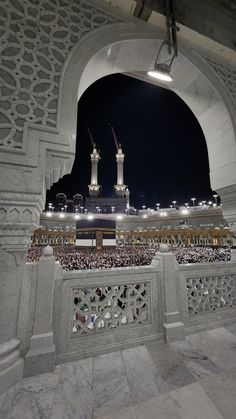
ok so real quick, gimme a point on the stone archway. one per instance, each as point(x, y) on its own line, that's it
point(49, 51)
point(195, 85)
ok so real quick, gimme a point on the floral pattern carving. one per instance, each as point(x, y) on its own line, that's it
point(211, 293)
point(112, 307)
point(227, 75)
point(36, 37)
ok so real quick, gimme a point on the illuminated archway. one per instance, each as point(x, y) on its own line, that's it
point(111, 51)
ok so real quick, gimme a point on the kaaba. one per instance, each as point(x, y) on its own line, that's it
point(97, 233)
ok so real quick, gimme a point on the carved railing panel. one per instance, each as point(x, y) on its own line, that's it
point(211, 293)
point(107, 308)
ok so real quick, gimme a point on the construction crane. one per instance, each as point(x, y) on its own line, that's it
point(91, 137)
point(115, 139)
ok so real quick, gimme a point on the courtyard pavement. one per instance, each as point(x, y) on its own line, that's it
point(195, 379)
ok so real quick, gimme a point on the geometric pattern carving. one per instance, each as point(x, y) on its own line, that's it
point(36, 37)
point(227, 75)
point(14, 215)
point(3, 214)
point(107, 308)
point(18, 214)
point(26, 215)
point(211, 293)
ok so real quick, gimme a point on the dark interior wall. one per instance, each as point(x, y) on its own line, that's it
point(213, 18)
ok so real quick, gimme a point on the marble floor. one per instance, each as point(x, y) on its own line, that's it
point(195, 379)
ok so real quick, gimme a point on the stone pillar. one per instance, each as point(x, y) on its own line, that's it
point(41, 355)
point(25, 174)
point(11, 364)
point(16, 227)
point(173, 328)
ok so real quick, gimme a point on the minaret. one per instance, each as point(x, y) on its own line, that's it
point(94, 187)
point(127, 194)
point(120, 187)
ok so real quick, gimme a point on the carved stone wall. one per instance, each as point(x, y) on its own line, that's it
point(227, 75)
point(36, 37)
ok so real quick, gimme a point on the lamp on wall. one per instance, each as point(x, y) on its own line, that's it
point(162, 69)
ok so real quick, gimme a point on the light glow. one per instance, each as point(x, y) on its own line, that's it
point(184, 212)
point(49, 214)
point(90, 217)
point(119, 217)
point(62, 215)
point(160, 75)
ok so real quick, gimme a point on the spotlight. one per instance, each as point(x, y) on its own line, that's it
point(161, 72)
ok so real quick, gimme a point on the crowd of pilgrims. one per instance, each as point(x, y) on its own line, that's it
point(199, 254)
point(72, 258)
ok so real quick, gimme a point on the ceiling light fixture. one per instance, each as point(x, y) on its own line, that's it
point(162, 70)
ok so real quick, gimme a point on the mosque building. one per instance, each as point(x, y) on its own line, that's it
point(191, 225)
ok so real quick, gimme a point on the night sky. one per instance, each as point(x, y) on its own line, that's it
point(165, 151)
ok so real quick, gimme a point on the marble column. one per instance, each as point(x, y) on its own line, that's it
point(41, 355)
point(22, 193)
point(173, 328)
point(15, 237)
